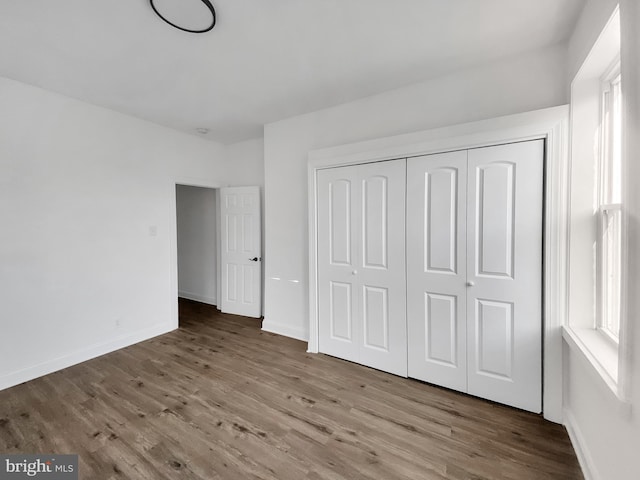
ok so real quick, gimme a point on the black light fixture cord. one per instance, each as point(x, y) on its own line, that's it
point(207, 3)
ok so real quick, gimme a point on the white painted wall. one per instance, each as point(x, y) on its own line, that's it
point(197, 243)
point(607, 434)
point(244, 163)
point(82, 191)
point(521, 84)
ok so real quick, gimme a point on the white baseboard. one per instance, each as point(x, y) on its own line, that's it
point(82, 355)
point(284, 330)
point(582, 452)
point(198, 298)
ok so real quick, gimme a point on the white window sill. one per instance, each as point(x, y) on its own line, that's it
point(601, 356)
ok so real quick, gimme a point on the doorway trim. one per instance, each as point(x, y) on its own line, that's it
point(550, 124)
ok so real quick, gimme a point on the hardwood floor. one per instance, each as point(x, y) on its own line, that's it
point(220, 399)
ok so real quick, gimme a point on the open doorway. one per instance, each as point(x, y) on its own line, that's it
point(219, 248)
point(197, 222)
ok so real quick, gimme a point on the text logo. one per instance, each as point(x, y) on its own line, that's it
point(50, 467)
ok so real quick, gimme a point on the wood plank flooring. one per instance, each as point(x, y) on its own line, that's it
point(220, 399)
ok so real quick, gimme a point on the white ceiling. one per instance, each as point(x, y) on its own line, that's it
point(266, 59)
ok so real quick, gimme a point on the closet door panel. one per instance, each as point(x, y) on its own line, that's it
point(504, 267)
point(436, 269)
point(375, 199)
point(441, 329)
point(494, 202)
point(337, 287)
point(381, 274)
point(339, 222)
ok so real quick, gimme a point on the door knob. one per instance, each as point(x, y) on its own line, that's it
point(470, 283)
point(355, 272)
point(254, 259)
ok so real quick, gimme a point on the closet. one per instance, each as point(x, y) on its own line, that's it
point(474, 271)
point(431, 267)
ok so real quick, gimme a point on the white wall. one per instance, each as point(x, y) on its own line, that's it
point(197, 243)
point(606, 432)
point(525, 83)
point(82, 191)
point(244, 163)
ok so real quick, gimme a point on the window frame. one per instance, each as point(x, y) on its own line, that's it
point(609, 215)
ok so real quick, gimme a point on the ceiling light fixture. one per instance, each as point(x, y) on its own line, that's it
point(207, 3)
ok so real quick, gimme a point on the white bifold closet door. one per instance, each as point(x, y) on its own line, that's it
point(361, 264)
point(474, 250)
point(437, 268)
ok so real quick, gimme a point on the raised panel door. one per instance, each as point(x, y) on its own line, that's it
point(381, 274)
point(337, 287)
point(504, 269)
point(436, 269)
point(241, 262)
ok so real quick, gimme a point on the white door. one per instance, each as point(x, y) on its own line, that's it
point(361, 264)
point(437, 268)
point(474, 267)
point(241, 261)
point(504, 274)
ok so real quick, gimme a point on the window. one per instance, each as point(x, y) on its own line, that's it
point(609, 241)
point(596, 246)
